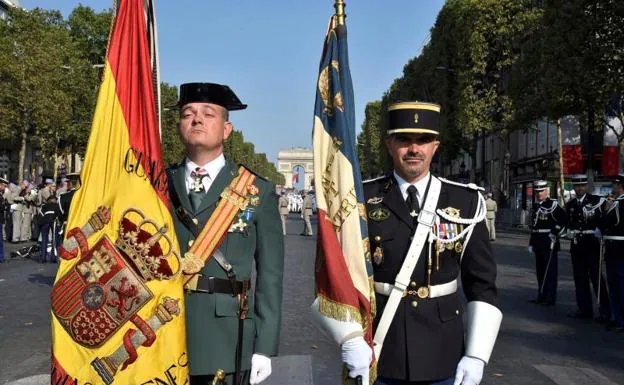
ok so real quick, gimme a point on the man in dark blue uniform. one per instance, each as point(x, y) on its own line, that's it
point(426, 234)
point(584, 216)
point(613, 235)
point(548, 222)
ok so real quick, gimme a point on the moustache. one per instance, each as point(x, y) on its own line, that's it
point(420, 157)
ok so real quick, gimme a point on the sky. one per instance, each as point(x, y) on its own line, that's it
point(268, 52)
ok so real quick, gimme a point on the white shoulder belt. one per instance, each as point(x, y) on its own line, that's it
point(426, 219)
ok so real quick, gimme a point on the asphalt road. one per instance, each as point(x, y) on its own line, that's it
point(537, 345)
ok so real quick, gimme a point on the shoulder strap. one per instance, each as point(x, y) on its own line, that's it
point(426, 219)
point(234, 199)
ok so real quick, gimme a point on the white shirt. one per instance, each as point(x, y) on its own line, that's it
point(421, 186)
point(213, 167)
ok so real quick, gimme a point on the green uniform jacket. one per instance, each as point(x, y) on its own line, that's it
point(212, 319)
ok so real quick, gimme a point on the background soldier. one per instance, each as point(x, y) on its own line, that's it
point(613, 235)
point(306, 214)
point(548, 222)
point(424, 337)
point(213, 310)
point(584, 214)
point(283, 210)
point(490, 217)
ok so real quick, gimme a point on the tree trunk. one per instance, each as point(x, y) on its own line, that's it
point(590, 153)
point(473, 159)
point(22, 157)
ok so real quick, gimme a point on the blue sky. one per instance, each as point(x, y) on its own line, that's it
point(268, 52)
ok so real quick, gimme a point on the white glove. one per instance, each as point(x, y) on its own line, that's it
point(357, 356)
point(530, 249)
point(597, 233)
point(553, 237)
point(469, 371)
point(260, 369)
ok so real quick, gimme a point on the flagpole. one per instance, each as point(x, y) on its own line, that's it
point(340, 11)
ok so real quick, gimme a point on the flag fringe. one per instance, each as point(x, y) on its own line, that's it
point(339, 311)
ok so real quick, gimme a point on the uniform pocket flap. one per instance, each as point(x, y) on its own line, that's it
point(448, 307)
point(226, 305)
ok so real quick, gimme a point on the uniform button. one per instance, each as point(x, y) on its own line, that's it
point(190, 243)
point(413, 284)
point(457, 312)
point(414, 304)
point(377, 238)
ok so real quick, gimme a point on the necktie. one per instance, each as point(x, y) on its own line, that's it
point(197, 193)
point(412, 201)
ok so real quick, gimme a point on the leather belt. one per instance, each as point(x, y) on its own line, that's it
point(212, 285)
point(538, 231)
point(432, 291)
point(613, 237)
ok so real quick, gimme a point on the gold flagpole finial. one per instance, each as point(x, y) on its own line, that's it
point(340, 11)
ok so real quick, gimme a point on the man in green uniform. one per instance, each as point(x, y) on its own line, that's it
point(213, 316)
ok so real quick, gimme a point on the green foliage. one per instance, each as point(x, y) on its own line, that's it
point(172, 147)
point(239, 151)
point(370, 142)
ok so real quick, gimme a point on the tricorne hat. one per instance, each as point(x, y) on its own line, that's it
point(213, 93)
point(414, 118)
point(540, 185)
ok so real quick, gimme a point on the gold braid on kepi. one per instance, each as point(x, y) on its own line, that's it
point(414, 118)
point(147, 246)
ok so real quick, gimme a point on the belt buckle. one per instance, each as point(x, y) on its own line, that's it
point(210, 285)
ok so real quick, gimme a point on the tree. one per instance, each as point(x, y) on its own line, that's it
point(33, 49)
point(172, 147)
point(369, 142)
point(573, 64)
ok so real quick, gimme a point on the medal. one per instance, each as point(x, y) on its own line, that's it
point(378, 256)
point(459, 247)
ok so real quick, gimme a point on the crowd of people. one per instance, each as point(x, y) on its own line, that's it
point(34, 213)
point(297, 202)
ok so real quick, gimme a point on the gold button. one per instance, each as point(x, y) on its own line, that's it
point(413, 284)
point(457, 312)
point(414, 304)
point(377, 238)
point(190, 243)
point(196, 221)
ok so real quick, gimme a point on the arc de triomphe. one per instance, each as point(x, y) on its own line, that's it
point(296, 158)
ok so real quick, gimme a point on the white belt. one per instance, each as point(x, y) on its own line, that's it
point(577, 232)
point(541, 231)
point(613, 237)
point(385, 288)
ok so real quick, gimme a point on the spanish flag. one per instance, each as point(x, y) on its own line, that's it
point(117, 302)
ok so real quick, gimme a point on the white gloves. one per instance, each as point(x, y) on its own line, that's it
point(530, 249)
point(260, 368)
point(469, 371)
point(553, 237)
point(597, 233)
point(357, 356)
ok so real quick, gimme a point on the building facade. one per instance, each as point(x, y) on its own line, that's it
point(297, 166)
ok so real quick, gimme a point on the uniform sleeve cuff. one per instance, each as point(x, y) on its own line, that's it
point(483, 324)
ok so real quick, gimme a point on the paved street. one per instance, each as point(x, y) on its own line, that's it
point(537, 345)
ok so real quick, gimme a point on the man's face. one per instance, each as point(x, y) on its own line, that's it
point(541, 195)
point(618, 188)
point(580, 189)
point(204, 126)
point(412, 153)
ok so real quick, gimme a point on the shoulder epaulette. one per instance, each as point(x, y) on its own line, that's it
point(255, 173)
point(375, 179)
point(471, 186)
